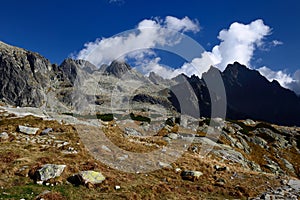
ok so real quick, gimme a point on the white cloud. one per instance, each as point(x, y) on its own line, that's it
point(295, 85)
point(276, 43)
point(286, 80)
point(184, 24)
point(239, 42)
point(148, 34)
point(283, 78)
point(198, 65)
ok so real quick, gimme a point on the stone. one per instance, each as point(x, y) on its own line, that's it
point(177, 170)
point(191, 175)
point(92, 177)
point(105, 148)
point(220, 182)
point(273, 168)
point(49, 171)
point(164, 165)
point(259, 141)
point(295, 184)
point(46, 131)
point(167, 139)
point(205, 141)
point(4, 136)
point(284, 182)
point(117, 187)
point(249, 122)
point(132, 132)
point(28, 130)
point(173, 136)
point(246, 147)
point(239, 145)
point(219, 168)
point(288, 165)
point(254, 166)
point(40, 182)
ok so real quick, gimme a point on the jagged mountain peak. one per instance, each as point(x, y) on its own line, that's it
point(117, 68)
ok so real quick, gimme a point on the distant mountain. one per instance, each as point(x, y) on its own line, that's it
point(28, 79)
point(250, 93)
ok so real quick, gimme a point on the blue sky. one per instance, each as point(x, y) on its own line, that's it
point(56, 29)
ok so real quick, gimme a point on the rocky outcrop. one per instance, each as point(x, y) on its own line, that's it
point(24, 76)
point(117, 68)
point(49, 171)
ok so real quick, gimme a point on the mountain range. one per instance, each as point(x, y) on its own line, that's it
point(29, 79)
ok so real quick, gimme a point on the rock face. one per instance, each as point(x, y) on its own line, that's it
point(24, 76)
point(251, 94)
point(28, 79)
point(117, 68)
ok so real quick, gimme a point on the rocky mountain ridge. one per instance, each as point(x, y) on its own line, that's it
point(28, 79)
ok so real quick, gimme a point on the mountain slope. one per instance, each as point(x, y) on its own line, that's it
point(250, 93)
point(28, 79)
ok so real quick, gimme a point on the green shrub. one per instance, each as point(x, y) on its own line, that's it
point(140, 118)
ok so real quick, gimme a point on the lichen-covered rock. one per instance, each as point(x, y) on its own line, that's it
point(49, 171)
point(92, 177)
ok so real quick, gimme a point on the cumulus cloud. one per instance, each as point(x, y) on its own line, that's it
point(283, 78)
point(295, 85)
point(239, 42)
point(184, 24)
point(286, 80)
point(137, 43)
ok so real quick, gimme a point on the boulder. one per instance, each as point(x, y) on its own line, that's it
point(295, 184)
point(191, 175)
point(28, 130)
point(173, 136)
point(4, 136)
point(132, 132)
point(49, 171)
point(288, 165)
point(46, 131)
point(92, 177)
point(164, 165)
point(259, 141)
point(249, 122)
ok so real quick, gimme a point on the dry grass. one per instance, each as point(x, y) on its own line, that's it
point(161, 184)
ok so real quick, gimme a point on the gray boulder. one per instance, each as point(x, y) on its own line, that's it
point(49, 171)
point(28, 130)
point(191, 175)
point(4, 136)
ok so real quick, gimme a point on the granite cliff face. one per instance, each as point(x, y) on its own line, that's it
point(24, 76)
